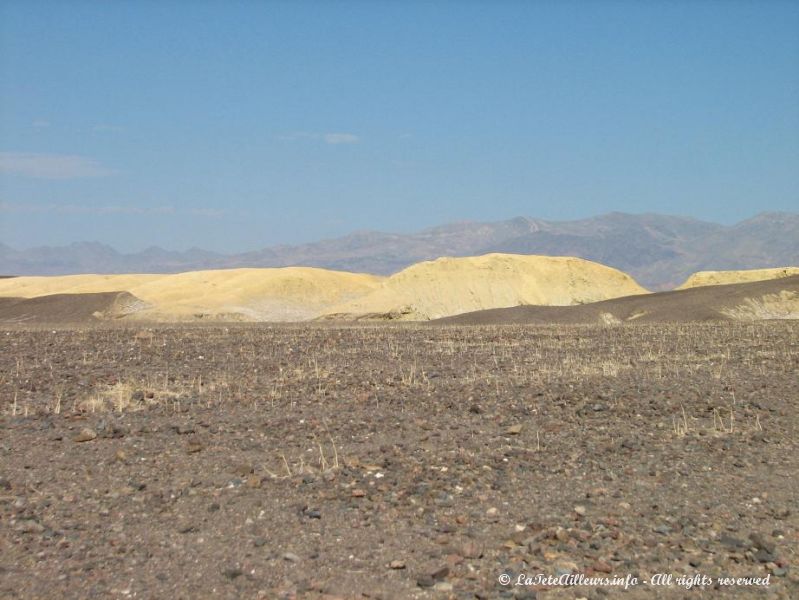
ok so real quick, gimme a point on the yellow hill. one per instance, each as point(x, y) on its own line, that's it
point(280, 294)
point(450, 286)
point(426, 290)
point(723, 277)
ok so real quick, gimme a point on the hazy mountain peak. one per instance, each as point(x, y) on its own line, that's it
point(660, 251)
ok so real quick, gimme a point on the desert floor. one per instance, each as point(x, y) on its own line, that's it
point(250, 461)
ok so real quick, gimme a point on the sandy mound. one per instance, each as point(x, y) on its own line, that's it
point(283, 294)
point(771, 299)
point(70, 308)
point(724, 277)
point(450, 286)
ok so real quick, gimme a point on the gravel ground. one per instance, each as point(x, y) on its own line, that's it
point(398, 461)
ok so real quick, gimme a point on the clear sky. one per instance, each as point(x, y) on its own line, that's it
point(238, 125)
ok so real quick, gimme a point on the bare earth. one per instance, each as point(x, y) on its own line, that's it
point(756, 300)
point(249, 461)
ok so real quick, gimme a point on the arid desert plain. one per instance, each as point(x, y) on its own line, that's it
point(399, 300)
point(492, 454)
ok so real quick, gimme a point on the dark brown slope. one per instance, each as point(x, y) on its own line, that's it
point(697, 304)
point(69, 308)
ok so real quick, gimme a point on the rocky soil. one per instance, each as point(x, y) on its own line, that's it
point(397, 462)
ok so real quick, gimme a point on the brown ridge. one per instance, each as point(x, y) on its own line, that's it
point(69, 308)
point(778, 298)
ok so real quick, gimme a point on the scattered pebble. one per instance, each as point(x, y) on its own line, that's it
point(85, 435)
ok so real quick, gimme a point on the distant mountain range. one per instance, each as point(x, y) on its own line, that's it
point(660, 251)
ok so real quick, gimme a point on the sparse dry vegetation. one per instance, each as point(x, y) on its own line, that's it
point(311, 457)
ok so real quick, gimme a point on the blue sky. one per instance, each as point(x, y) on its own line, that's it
point(237, 125)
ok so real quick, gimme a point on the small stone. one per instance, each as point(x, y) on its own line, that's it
point(470, 549)
point(440, 574)
point(242, 470)
point(662, 529)
point(116, 432)
point(29, 526)
point(259, 542)
point(291, 557)
point(630, 444)
point(731, 542)
point(580, 510)
point(358, 493)
point(764, 557)
point(514, 429)
point(492, 512)
point(518, 538)
point(396, 564)
point(565, 568)
point(602, 567)
point(194, 446)
point(85, 435)
point(314, 514)
point(232, 573)
point(254, 481)
point(443, 586)
point(425, 581)
point(760, 542)
point(454, 559)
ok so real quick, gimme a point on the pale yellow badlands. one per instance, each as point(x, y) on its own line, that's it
point(723, 277)
point(450, 286)
point(280, 294)
point(426, 290)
